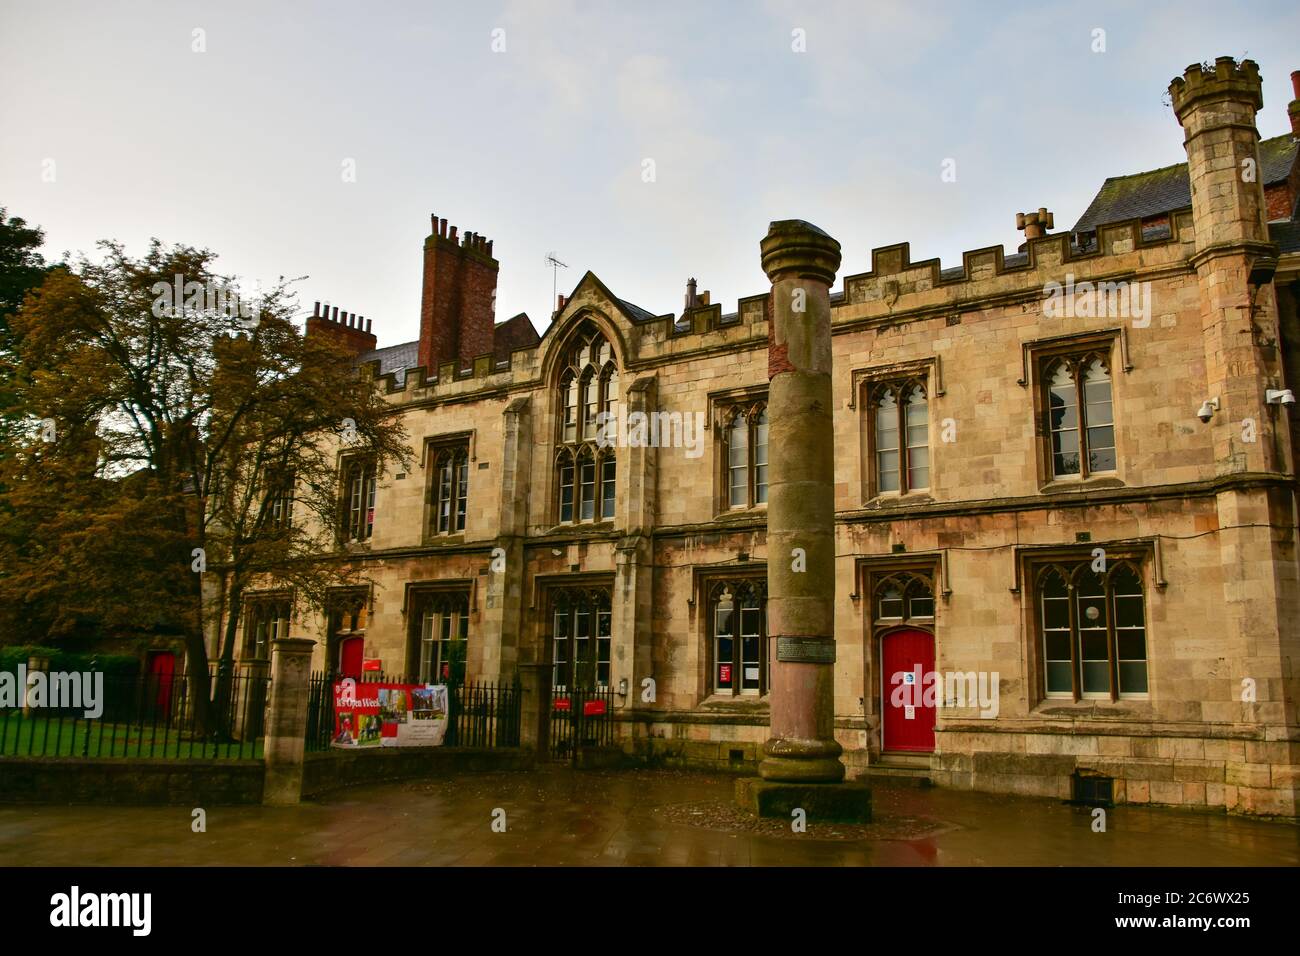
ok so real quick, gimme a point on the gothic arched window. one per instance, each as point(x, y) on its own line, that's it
point(451, 495)
point(901, 437)
point(744, 455)
point(1080, 416)
point(738, 638)
point(585, 462)
point(443, 637)
point(1092, 629)
point(580, 637)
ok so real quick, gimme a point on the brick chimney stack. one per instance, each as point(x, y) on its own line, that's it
point(1294, 109)
point(349, 330)
point(457, 303)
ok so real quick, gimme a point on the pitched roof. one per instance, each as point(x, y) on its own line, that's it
point(394, 358)
point(1163, 190)
point(516, 332)
point(1286, 235)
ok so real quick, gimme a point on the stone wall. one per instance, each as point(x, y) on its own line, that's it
point(189, 783)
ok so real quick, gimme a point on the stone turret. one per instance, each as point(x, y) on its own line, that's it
point(1217, 110)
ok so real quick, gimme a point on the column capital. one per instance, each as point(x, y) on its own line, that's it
point(795, 246)
point(292, 645)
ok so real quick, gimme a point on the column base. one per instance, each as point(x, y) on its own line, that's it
point(801, 761)
point(822, 802)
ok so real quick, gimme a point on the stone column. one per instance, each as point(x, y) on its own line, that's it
point(801, 261)
point(535, 707)
point(286, 722)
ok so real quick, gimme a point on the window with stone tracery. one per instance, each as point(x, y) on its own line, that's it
point(1080, 423)
point(900, 437)
point(585, 460)
point(1092, 629)
point(743, 442)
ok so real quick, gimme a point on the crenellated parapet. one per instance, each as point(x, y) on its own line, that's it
point(896, 286)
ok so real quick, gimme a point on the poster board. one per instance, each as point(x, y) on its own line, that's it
point(389, 715)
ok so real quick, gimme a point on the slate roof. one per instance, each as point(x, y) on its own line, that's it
point(1286, 235)
point(1162, 190)
point(637, 313)
point(394, 358)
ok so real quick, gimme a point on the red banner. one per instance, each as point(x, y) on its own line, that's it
point(389, 715)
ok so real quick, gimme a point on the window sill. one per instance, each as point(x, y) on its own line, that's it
point(729, 703)
point(741, 514)
point(1080, 485)
point(434, 540)
point(892, 500)
point(1069, 709)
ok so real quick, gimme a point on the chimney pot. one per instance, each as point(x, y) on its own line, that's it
point(452, 235)
point(367, 326)
point(433, 217)
point(316, 311)
point(489, 247)
point(1295, 83)
point(336, 314)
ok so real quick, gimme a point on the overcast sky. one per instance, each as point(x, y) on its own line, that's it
point(542, 146)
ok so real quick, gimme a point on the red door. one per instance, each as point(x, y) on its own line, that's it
point(907, 659)
point(162, 665)
point(351, 655)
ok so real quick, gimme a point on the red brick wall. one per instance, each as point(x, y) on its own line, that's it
point(355, 340)
point(1280, 198)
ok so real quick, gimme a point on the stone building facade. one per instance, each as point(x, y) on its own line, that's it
point(1028, 502)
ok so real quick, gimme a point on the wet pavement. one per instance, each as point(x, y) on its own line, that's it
point(561, 817)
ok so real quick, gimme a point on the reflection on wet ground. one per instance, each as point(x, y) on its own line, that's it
point(560, 817)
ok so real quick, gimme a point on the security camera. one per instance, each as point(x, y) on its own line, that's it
point(1284, 396)
point(1207, 409)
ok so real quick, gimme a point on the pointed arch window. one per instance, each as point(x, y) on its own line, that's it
point(738, 638)
point(903, 597)
point(441, 643)
point(1080, 415)
point(359, 484)
point(581, 637)
point(1092, 630)
point(744, 455)
point(900, 437)
point(451, 493)
point(589, 396)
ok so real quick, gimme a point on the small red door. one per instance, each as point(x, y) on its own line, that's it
point(909, 698)
point(162, 665)
point(351, 656)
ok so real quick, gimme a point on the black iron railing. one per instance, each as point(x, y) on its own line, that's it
point(480, 714)
point(581, 718)
point(147, 715)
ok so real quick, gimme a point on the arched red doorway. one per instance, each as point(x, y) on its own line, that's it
point(907, 698)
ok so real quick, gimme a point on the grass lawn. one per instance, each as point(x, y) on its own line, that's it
point(63, 737)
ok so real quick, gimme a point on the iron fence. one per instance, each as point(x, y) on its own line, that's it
point(581, 718)
point(480, 714)
point(145, 715)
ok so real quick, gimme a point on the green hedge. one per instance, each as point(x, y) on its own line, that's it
point(112, 665)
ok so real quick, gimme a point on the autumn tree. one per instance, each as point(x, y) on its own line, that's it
point(165, 421)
